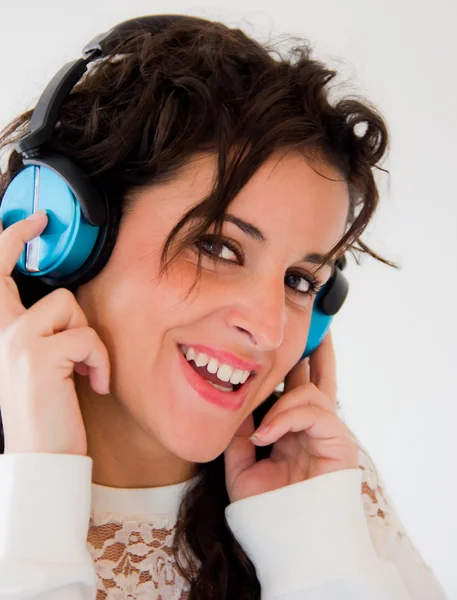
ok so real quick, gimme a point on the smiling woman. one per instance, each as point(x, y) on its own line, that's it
point(237, 186)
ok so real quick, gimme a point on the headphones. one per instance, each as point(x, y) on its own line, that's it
point(82, 223)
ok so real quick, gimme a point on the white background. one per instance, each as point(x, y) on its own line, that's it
point(395, 337)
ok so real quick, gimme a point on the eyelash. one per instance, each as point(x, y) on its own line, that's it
point(314, 288)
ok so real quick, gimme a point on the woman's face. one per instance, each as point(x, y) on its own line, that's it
point(246, 307)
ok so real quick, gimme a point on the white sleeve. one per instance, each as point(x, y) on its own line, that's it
point(45, 502)
point(317, 540)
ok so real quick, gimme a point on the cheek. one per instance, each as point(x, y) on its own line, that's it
point(171, 298)
point(144, 309)
point(296, 336)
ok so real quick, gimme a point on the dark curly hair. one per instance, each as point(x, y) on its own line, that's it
point(136, 118)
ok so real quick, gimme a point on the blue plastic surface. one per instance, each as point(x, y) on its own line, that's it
point(320, 324)
point(68, 239)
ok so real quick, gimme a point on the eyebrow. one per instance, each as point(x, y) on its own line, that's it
point(313, 257)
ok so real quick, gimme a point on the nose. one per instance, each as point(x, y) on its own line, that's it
point(258, 311)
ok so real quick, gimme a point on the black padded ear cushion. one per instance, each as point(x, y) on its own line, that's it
point(91, 201)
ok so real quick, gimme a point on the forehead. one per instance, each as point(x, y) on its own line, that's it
point(289, 198)
point(290, 194)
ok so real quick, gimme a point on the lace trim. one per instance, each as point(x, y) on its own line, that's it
point(133, 560)
point(385, 526)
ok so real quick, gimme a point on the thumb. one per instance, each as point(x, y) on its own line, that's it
point(240, 453)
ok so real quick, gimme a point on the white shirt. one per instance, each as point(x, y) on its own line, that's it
point(333, 537)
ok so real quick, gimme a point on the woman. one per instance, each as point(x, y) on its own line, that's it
point(129, 402)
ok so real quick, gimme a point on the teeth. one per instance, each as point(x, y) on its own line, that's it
point(245, 376)
point(236, 377)
point(190, 355)
point(224, 372)
point(201, 360)
point(212, 366)
point(222, 388)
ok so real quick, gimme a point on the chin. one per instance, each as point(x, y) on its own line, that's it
point(198, 449)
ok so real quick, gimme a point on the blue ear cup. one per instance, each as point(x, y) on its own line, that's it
point(320, 324)
point(68, 239)
point(81, 228)
point(327, 303)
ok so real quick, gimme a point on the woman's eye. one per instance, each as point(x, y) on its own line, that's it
point(216, 249)
point(304, 286)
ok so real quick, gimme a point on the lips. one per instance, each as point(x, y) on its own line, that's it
point(229, 400)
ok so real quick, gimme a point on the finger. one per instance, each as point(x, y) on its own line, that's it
point(53, 313)
point(12, 241)
point(14, 238)
point(312, 420)
point(82, 345)
point(304, 395)
point(240, 453)
point(322, 364)
point(10, 302)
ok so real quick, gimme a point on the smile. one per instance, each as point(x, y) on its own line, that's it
point(203, 381)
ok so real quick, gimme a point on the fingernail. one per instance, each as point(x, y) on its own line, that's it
point(36, 216)
point(261, 431)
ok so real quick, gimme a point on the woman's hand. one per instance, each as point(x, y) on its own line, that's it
point(307, 435)
point(39, 350)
